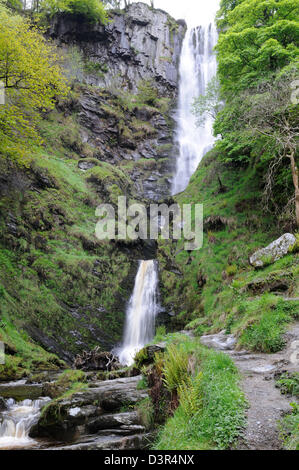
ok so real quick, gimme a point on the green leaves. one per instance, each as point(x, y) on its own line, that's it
point(93, 10)
point(261, 37)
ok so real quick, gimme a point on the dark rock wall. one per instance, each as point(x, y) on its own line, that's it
point(138, 43)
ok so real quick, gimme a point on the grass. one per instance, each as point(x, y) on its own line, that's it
point(289, 429)
point(211, 413)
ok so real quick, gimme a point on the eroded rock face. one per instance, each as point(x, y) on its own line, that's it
point(272, 252)
point(139, 43)
point(139, 140)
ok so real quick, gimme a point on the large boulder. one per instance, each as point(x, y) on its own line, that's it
point(272, 252)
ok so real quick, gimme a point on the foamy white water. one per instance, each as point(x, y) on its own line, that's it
point(141, 312)
point(16, 422)
point(198, 65)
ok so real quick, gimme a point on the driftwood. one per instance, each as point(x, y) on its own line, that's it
point(96, 360)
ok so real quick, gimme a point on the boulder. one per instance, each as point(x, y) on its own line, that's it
point(147, 354)
point(111, 421)
point(86, 165)
point(272, 252)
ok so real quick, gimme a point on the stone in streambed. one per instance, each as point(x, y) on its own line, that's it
point(219, 341)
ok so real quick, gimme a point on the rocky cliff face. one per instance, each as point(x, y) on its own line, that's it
point(138, 43)
point(139, 46)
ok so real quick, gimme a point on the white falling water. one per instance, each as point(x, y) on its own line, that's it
point(141, 312)
point(198, 66)
point(16, 422)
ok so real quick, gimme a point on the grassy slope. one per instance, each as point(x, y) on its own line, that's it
point(49, 265)
point(211, 413)
point(235, 296)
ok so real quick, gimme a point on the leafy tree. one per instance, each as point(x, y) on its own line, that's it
point(261, 37)
point(32, 80)
point(93, 10)
point(210, 103)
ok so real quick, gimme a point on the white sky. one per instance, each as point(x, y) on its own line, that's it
point(195, 12)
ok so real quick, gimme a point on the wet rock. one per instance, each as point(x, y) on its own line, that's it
point(20, 390)
point(219, 341)
point(272, 252)
point(64, 419)
point(3, 405)
point(135, 442)
point(110, 421)
point(96, 360)
point(132, 46)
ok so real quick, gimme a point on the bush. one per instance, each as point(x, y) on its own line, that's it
point(147, 93)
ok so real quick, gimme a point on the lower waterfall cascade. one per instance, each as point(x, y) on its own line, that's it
point(17, 420)
point(141, 312)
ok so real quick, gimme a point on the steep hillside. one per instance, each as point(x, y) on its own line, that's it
point(58, 283)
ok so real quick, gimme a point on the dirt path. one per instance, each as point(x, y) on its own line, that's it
point(266, 404)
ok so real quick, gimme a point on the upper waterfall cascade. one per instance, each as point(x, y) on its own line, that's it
point(198, 66)
point(141, 312)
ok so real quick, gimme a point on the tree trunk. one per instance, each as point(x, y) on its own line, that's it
point(296, 184)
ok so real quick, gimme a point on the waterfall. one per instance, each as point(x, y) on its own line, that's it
point(197, 67)
point(141, 312)
point(17, 420)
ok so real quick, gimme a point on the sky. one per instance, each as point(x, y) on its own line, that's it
point(195, 12)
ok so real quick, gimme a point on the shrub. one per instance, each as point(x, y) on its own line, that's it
point(289, 383)
point(190, 395)
point(147, 93)
point(231, 270)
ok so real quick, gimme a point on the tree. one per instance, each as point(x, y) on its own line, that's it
point(271, 114)
point(32, 80)
point(28, 63)
point(261, 36)
point(93, 10)
point(208, 104)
